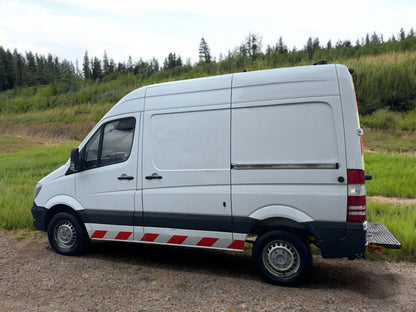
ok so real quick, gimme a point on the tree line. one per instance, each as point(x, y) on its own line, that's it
point(29, 69)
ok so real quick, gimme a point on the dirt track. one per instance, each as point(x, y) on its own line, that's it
point(130, 277)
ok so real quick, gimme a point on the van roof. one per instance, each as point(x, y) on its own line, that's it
point(300, 81)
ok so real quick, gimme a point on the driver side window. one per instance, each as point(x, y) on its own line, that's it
point(111, 144)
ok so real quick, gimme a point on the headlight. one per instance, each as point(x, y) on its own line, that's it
point(37, 190)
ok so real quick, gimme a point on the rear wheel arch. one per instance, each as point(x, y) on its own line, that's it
point(283, 224)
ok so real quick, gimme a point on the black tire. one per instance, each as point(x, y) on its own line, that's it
point(282, 258)
point(67, 235)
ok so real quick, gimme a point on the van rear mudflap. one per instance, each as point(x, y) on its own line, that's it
point(378, 236)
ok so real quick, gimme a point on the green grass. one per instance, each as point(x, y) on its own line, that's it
point(390, 131)
point(19, 172)
point(401, 222)
point(10, 144)
point(64, 115)
point(394, 141)
point(394, 175)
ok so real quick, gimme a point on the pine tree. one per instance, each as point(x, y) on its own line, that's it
point(3, 73)
point(172, 61)
point(31, 66)
point(253, 45)
point(204, 52)
point(130, 66)
point(106, 64)
point(86, 66)
point(402, 34)
point(329, 45)
point(375, 39)
point(367, 39)
point(96, 69)
point(154, 65)
point(281, 48)
point(20, 67)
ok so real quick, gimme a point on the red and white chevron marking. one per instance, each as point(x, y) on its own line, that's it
point(191, 238)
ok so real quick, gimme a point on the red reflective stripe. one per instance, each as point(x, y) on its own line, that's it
point(98, 234)
point(177, 239)
point(207, 241)
point(356, 201)
point(123, 235)
point(237, 244)
point(149, 237)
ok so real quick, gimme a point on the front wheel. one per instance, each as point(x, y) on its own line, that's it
point(282, 258)
point(66, 234)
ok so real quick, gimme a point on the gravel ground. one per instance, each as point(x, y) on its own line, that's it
point(133, 277)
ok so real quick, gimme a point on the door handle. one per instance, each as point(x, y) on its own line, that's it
point(125, 177)
point(154, 176)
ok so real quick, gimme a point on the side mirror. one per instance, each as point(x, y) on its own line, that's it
point(74, 162)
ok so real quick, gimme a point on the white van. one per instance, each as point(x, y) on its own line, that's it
point(276, 154)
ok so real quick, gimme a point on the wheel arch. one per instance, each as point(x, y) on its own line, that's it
point(63, 203)
point(53, 211)
point(282, 218)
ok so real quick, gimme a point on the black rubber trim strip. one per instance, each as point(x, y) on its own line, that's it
point(284, 166)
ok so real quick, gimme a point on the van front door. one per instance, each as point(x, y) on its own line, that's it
point(186, 177)
point(106, 186)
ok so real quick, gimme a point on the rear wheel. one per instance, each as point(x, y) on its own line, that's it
point(67, 235)
point(282, 258)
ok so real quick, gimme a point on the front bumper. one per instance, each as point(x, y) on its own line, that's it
point(39, 217)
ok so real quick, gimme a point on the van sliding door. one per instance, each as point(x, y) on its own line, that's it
point(186, 170)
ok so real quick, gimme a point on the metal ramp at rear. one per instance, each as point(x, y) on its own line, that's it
point(379, 236)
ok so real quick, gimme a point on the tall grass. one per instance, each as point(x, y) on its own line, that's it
point(394, 175)
point(385, 81)
point(41, 98)
point(401, 222)
point(384, 119)
point(19, 172)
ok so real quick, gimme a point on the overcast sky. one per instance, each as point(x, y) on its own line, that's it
point(143, 29)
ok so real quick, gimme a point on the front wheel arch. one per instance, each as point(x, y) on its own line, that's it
point(282, 258)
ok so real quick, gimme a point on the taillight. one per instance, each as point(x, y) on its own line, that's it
point(356, 211)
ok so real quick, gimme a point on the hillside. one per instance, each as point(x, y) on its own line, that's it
point(385, 87)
